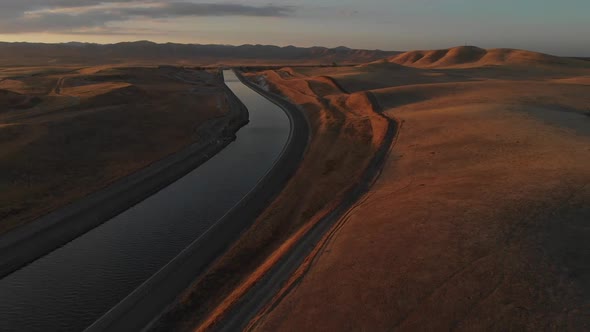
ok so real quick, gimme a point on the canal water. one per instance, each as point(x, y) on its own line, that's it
point(68, 289)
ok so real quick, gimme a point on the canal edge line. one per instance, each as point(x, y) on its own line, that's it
point(148, 301)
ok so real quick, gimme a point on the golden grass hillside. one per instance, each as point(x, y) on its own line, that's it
point(471, 56)
point(479, 220)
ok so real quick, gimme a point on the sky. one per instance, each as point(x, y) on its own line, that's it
point(557, 27)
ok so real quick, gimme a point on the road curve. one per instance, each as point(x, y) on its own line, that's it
point(266, 289)
point(149, 300)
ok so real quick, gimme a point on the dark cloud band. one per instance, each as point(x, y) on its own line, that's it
point(87, 15)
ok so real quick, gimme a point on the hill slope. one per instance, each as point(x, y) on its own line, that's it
point(471, 56)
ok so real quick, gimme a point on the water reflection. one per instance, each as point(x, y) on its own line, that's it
point(74, 285)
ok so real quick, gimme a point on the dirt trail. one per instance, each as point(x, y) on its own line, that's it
point(59, 86)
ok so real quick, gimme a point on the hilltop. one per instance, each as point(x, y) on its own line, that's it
point(471, 56)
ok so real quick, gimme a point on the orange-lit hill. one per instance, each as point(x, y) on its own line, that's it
point(471, 56)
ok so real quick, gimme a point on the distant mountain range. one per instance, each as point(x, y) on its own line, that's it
point(149, 52)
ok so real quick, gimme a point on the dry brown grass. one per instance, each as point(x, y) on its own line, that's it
point(480, 218)
point(65, 135)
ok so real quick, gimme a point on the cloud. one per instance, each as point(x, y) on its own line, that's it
point(78, 15)
point(179, 9)
point(17, 8)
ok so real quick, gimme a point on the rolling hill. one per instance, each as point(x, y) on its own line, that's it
point(471, 56)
